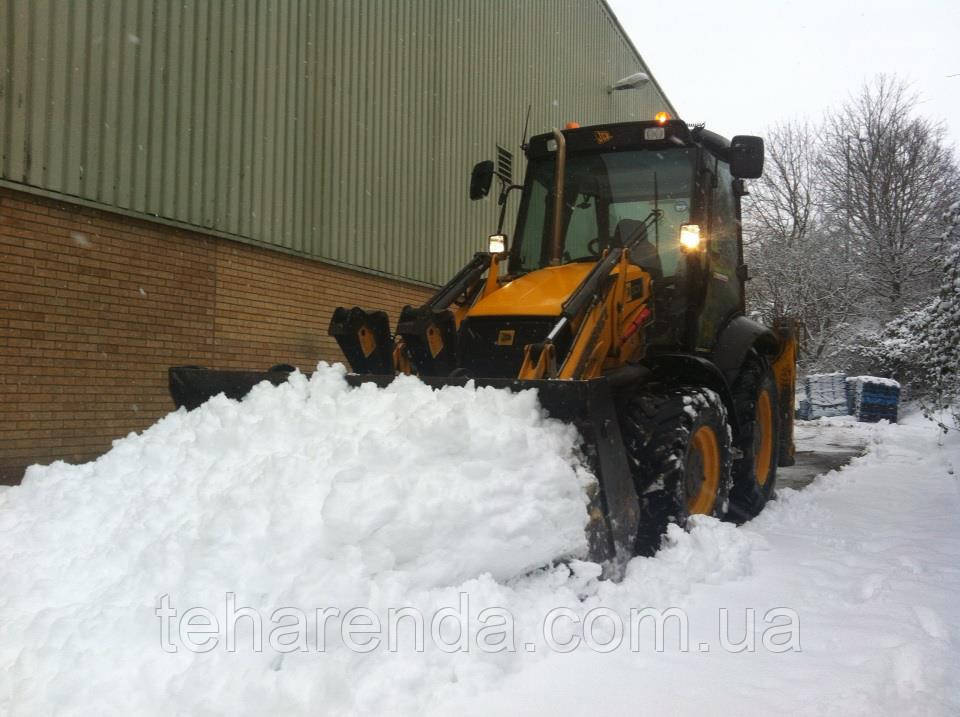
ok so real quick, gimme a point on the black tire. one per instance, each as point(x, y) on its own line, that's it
point(755, 472)
point(661, 429)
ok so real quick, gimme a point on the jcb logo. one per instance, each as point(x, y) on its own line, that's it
point(601, 136)
point(505, 337)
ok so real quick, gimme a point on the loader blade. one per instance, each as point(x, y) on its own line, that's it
point(191, 386)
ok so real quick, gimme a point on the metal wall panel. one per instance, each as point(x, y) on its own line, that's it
point(341, 129)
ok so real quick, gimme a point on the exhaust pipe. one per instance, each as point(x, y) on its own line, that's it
point(556, 245)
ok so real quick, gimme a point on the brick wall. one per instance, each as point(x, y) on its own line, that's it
point(95, 306)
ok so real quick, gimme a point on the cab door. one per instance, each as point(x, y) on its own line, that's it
point(724, 288)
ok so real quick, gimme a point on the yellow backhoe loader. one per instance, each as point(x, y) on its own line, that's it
point(620, 298)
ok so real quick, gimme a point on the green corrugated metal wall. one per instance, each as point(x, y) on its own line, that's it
point(343, 130)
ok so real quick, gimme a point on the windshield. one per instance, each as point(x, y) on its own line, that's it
point(606, 198)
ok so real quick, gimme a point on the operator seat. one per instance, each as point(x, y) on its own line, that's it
point(644, 253)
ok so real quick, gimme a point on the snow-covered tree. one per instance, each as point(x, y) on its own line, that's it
point(888, 173)
point(800, 269)
point(923, 346)
point(843, 230)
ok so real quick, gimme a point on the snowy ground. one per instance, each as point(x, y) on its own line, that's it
point(313, 496)
point(868, 558)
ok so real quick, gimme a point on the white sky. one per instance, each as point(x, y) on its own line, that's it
point(741, 65)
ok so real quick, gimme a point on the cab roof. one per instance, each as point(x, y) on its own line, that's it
point(620, 136)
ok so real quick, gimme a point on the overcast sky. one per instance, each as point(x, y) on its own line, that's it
point(742, 65)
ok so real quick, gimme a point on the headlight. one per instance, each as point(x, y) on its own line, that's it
point(498, 243)
point(690, 236)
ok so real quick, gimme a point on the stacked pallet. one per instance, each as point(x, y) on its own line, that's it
point(827, 394)
point(872, 399)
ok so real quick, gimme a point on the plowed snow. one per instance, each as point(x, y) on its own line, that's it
point(315, 496)
point(310, 494)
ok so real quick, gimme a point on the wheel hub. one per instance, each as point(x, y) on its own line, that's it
point(763, 438)
point(702, 471)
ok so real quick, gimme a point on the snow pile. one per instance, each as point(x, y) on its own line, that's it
point(308, 494)
point(253, 499)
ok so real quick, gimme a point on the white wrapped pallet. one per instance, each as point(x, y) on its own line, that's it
point(827, 393)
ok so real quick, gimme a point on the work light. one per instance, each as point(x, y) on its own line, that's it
point(690, 236)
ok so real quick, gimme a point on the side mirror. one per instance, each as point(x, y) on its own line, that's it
point(480, 179)
point(746, 157)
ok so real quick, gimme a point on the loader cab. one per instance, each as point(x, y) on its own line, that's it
point(616, 177)
point(606, 196)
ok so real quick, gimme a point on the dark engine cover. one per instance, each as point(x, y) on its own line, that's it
point(493, 347)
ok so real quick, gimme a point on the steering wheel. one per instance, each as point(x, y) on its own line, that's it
point(593, 246)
